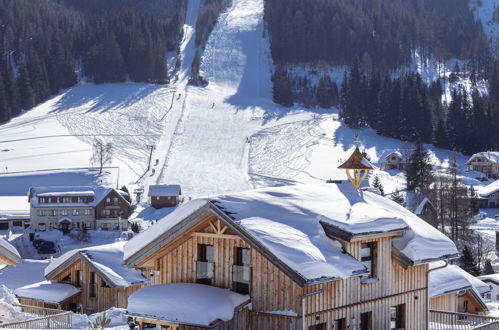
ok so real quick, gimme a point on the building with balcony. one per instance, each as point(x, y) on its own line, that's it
point(307, 256)
point(486, 162)
point(65, 208)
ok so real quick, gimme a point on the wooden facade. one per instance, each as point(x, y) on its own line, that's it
point(460, 302)
point(106, 296)
point(276, 298)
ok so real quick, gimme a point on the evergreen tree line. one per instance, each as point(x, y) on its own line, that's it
point(44, 43)
point(408, 109)
point(287, 90)
point(383, 32)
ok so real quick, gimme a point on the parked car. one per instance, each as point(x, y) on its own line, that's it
point(37, 242)
point(46, 247)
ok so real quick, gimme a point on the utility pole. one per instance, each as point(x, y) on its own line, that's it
point(152, 147)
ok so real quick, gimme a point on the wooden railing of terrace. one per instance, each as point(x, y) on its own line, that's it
point(457, 321)
point(43, 318)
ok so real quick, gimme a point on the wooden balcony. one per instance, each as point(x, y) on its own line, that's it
point(440, 320)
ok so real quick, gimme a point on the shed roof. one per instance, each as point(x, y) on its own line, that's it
point(185, 303)
point(164, 190)
point(52, 293)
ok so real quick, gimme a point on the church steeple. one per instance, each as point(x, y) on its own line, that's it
point(356, 166)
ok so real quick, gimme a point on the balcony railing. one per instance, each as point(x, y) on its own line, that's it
point(450, 320)
point(241, 274)
point(204, 271)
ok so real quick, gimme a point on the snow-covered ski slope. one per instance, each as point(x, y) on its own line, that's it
point(228, 136)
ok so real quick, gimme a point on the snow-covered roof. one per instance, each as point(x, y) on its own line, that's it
point(185, 303)
point(420, 208)
point(52, 293)
point(98, 194)
point(164, 190)
point(490, 277)
point(489, 189)
point(491, 156)
point(106, 259)
point(27, 272)
point(9, 252)
point(14, 207)
point(453, 279)
point(288, 222)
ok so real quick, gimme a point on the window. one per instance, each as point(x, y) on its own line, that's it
point(108, 200)
point(105, 212)
point(104, 226)
point(205, 264)
point(67, 279)
point(367, 254)
point(397, 317)
point(53, 213)
point(489, 296)
point(64, 212)
point(87, 211)
point(465, 306)
point(241, 270)
point(93, 285)
point(75, 211)
point(320, 326)
point(340, 324)
point(78, 278)
point(115, 199)
point(66, 200)
point(365, 321)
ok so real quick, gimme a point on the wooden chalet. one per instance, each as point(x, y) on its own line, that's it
point(8, 254)
point(454, 290)
point(321, 256)
point(394, 161)
point(86, 280)
point(486, 162)
point(164, 195)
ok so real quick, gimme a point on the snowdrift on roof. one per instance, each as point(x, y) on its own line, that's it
point(286, 222)
point(52, 293)
point(453, 279)
point(185, 303)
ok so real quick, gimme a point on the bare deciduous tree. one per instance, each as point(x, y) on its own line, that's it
point(102, 153)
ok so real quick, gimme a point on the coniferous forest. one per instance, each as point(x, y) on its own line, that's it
point(44, 44)
point(374, 38)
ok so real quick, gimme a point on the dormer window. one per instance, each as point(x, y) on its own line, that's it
point(368, 257)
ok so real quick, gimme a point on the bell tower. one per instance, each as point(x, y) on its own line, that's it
point(356, 167)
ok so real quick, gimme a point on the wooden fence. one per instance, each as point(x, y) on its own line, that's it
point(43, 318)
point(457, 321)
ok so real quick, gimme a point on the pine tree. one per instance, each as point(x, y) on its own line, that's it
point(467, 262)
point(377, 184)
point(127, 196)
point(397, 198)
point(487, 268)
point(282, 89)
point(325, 92)
point(419, 168)
point(26, 93)
point(474, 203)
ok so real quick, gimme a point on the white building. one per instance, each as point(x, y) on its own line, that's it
point(493, 281)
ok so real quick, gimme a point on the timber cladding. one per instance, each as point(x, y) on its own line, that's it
point(273, 293)
point(105, 297)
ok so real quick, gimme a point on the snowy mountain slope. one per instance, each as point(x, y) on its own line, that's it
point(225, 137)
point(484, 11)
